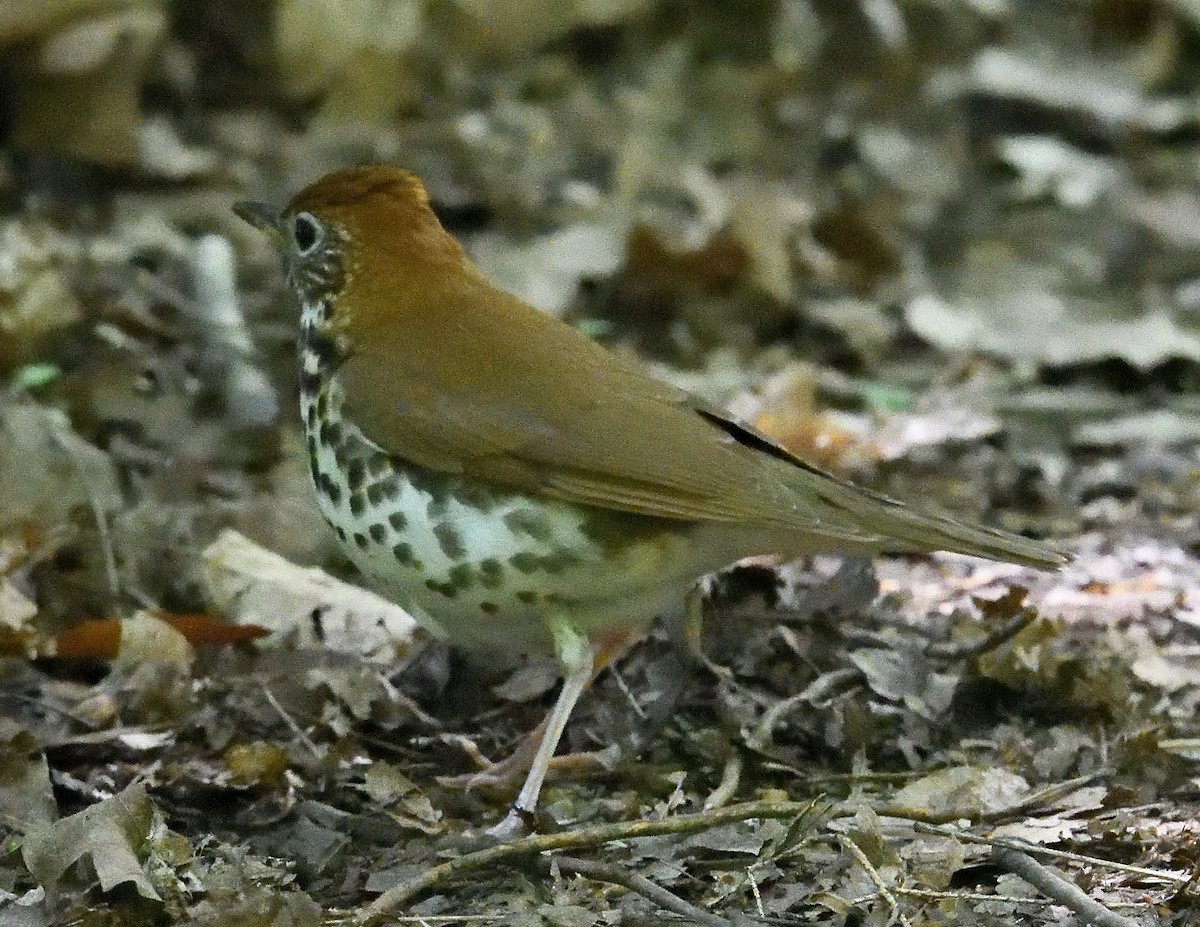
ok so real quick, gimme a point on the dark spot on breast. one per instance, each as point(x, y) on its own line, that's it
point(525, 562)
point(403, 552)
point(475, 495)
point(323, 348)
point(398, 521)
point(444, 588)
point(527, 522)
point(491, 573)
point(461, 576)
point(331, 433)
point(310, 383)
point(361, 540)
point(437, 505)
point(449, 540)
point(318, 626)
point(377, 532)
point(489, 608)
point(330, 488)
point(357, 503)
point(356, 472)
point(527, 596)
point(378, 464)
point(389, 487)
point(558, 561)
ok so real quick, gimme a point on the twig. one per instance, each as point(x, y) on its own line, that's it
point(873, 874)
point(1023, 846)
point(627, 692)
point(1054, 792)
point(730, 777)
point(291, 723)
point(348, 917)
point(929, 895)
point(965, 650)
point(591, 836)
point(616, 875)
point(822, 689)
point(755, 892)
point(1057, 888)
point(921, 816)
point(850, 778)
point(926, 895)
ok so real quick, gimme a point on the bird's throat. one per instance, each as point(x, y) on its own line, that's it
point(317, 351)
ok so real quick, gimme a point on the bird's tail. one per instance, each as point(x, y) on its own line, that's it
point(869, 520)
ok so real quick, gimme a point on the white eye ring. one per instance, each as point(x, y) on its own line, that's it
point(307, 233)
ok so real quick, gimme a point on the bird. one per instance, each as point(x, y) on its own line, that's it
point(515, 485)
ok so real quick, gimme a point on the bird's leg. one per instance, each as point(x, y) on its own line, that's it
point(693, 631)
point(693, 622)
point(577, 655)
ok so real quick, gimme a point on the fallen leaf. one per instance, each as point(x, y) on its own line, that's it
point(966, 790)
point(100, 638)
point(146, 638)
point(1029, 323)
point(308, 607)
point(26, 796)
point(111, 834)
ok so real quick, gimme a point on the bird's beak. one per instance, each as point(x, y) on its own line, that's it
point(260, 215)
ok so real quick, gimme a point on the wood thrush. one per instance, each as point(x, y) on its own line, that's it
point(513, 484)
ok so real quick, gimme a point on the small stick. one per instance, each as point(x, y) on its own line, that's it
point(966, 649)
point(884, 892)
point(1022, 846)
point(1057, 888)
point(731, 775)
point(667, 900)
point(591, 836)
point(291, 723)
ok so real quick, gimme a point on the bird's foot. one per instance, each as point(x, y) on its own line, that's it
point(506, 773)
point(509, 772)
point(517, 823)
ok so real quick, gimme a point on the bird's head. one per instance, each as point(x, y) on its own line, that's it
point(359, 228)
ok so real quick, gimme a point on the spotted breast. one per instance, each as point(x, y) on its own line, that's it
point(479, 565)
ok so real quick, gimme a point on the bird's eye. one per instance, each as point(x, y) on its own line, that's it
point(306, 232)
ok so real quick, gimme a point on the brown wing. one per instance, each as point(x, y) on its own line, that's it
point(479, 383)
point(448, 372)
point(510, 395)
point(507, 394)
